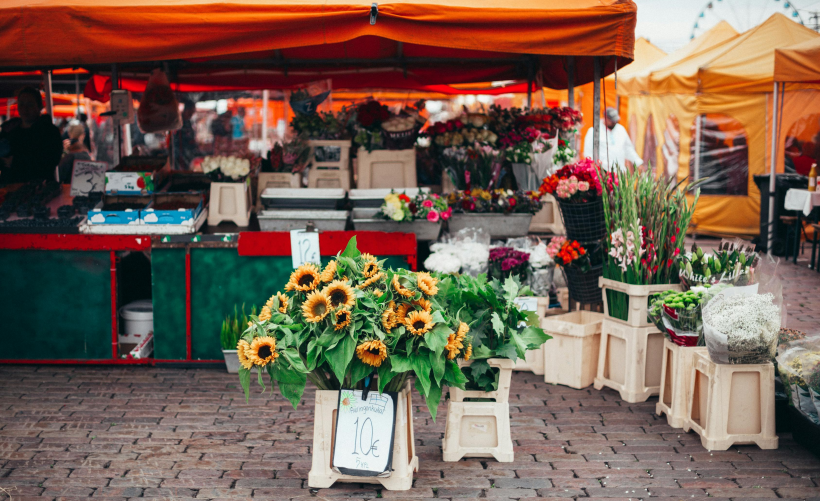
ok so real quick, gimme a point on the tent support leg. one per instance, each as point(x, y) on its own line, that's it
point(265, 99)
point(698, 152)
point(571, 82)
point(773, 161)
point(529, 85)
point(115, 84)
point(596, 109)
point(49, 98)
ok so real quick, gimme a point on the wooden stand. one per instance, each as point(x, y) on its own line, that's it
point(230, 202)
point(630, 360)
point(731, 404)
point(571, 356)
point(405, 461)
point(675, 374)
point(480, 429)
point(386, 169)
point(548, 219)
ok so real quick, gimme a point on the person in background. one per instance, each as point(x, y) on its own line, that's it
point(35, 146)
point(185, 138)
point(802, 162)
point(616, 149)
point(238, 123)
point(76, 150)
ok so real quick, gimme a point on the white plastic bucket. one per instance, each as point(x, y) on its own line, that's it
point(137, 321)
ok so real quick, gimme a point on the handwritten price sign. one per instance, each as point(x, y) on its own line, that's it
point(304, 247)
point(364, 433)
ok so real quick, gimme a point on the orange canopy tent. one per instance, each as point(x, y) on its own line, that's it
point(267, 44)
point(798, 63)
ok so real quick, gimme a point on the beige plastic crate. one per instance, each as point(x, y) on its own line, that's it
point(534, 361)
point(638, 299)
point(480, 429)
point(548, 219)
point(386, 169)
point(275, 180)
point(230, 202)
point(405, 461)
point(329, 174)
point(630, 360)
point(675, 374)
point(571, 356)
point(731, 404)
point(329, 178)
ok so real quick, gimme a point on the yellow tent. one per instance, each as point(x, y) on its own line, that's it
point(714, 99)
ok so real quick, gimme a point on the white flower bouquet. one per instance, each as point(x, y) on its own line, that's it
point(226, 169)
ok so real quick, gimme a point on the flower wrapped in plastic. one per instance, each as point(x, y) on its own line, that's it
point(799, 368)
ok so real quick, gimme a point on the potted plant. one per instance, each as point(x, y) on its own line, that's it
point(351, 322)
point(232, 328)
point(501, 334)
point(502, 213)
point(422, 215)
point(578, 190)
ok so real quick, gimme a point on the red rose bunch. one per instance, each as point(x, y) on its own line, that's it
point(571, 253)
point(372, 114)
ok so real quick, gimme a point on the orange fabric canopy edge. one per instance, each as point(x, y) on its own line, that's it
point(798, 63)
point(321, 33)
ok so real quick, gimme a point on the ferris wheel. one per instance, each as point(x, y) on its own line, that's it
point(741, 14)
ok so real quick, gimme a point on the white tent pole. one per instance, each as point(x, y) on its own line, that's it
point(596, 109)
point(115, 85)
point(77, 92)
point(49, 99)
point(773, 160)
point(265, 99)
point(698, 136)
point(9, 102)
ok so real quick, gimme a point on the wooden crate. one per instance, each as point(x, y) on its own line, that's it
point(386, 169)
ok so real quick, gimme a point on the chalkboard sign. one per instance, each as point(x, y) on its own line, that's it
point(363, 446)
point(87, 177)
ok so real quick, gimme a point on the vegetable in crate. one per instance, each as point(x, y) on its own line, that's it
point(732, 263)
point(678, 316)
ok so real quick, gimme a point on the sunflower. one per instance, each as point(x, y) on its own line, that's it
point(468, 352)
point(262, 350)
point(367, 257)
point(401, 311)
point(419, 322)
point(454, 345)
point(370, 281)
point(283, 302)
point(329, 272)
point(342, 319)
point(463, 329)
point(370, 268)
point(316, 307)
point(372, 353)
point(304, 279)
point(265, 314)
point(399, 288)
point(340, 294)
point(427, 284)
point(242, 350)
point(377, 293)
point(424, 304)
point(389, 319)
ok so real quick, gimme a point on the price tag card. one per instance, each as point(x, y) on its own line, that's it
point(363, 446)
point(304, 247)
point(527, 304)
point(87, 177)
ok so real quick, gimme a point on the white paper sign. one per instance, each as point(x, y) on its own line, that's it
point(304, 247)
point(526, 303)
point(364, 433)
point(87, 177)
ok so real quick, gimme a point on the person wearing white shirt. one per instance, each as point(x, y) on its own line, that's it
point(615, 148)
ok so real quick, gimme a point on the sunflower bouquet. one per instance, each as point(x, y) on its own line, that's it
point(352, 322)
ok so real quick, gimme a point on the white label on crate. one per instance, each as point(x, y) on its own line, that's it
point(304, 247)
point(364, 433)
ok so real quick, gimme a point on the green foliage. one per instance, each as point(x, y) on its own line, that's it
point(233, 326)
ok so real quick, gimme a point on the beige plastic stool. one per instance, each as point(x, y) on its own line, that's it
point(480, 429)
point(731, 404)
point(675, 376)
point(386, 169)
point(548, 219)
point(230, 202)
point(276, 180)
point(405, 461)
point(630, 360)
point(571, 356)
point(329, 178)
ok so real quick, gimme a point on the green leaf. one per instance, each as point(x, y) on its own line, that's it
point(453, 375)
point(351, 250)
point(511, 288)
point(291, 382)
point(532, 318)
point(437, 364)
point(340, 355)
point(482, 351)
point(498, 325)
point(534, 337)
point(386, 375)
point(438, 318)
point(520, 345)
point(421, 366)
point(359, 371)
point(313, 354)
point(295, 361)
point(401, 364)
point(507, 350)
point(436, 339)
point(330, 337)
point(432, 398)
point(245, 381)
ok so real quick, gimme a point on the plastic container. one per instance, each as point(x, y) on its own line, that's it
point(138, 321)
point(571, 356)
point(374, 197)
point(393, 168)
point(303, 198)
point(286, 220)
point(497, 225)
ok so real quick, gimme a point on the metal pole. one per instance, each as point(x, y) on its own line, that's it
point(9, 102)
point(115, 84)
point(769, 226)
point(49, 100)
point(596, 110)
point(265, 99)
point(571, 81)
point(529, 85)
point(77, 92)
point(698, 135)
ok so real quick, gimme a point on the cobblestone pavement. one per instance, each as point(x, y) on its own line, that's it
point(68, 433)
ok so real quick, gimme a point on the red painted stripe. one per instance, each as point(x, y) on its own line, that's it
point(47, 241)
point(277, 243)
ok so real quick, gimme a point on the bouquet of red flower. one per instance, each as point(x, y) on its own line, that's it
point(565, 119)
point(506, 261)
point(497, 201)
point(572, 254)
point(371, 114)
point(577, 182)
